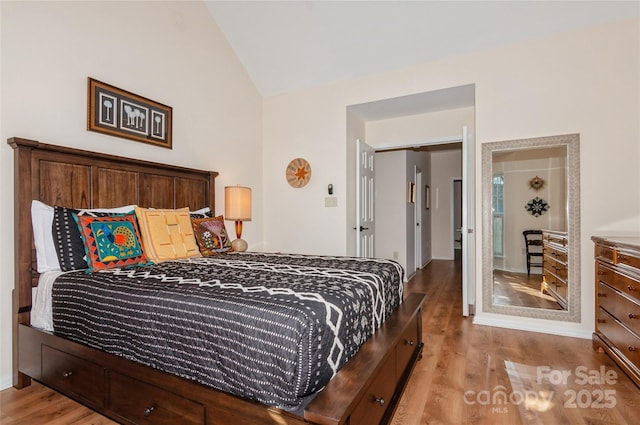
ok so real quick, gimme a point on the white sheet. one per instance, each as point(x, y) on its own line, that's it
point(41, 303)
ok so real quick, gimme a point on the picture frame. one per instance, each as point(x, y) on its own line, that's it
point(120, 113)
point(427, 197)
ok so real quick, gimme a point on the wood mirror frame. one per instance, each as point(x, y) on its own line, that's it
point(572, 143)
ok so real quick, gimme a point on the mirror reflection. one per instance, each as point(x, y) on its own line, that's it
point(529, 201)
point(530, 206)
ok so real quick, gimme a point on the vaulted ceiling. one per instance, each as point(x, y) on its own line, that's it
point(290, 45)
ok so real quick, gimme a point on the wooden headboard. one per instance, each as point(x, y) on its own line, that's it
point(77, 178)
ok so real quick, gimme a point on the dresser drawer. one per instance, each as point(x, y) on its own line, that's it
point(621, 282)
point(603, 251)
point(555, 267)
point(625, 310)
point(559, 239)
point(623, 340)
point(406, 349)
point(562, 290)
point(555, 254)
point(147, 404)
point(628, 259)
point(73, 375)
point(373, 405)
point(605, 274)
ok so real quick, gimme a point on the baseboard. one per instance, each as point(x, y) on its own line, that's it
point(6, 382)
point(550, 328)
point(443, 258)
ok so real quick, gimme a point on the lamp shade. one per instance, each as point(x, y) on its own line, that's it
point(237, 203)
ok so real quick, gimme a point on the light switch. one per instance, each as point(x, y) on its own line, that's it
point(330, 201)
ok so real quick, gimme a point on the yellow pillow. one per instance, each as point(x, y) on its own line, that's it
point(167, 234)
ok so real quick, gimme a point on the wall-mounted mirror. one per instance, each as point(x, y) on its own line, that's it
point(530, 192)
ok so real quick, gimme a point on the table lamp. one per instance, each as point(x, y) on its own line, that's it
point(237, 206)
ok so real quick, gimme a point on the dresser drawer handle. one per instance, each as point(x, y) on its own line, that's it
point(409, 342)
point(380, 401)
point(602, 321)
point(600, 294)
point(148, 411)
point(67, 374)
point(633, 316)
point(632, 348)
point(601, 273)
point(631, 288)
point(621, 257)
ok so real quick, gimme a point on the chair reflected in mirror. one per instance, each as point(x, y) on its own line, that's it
point(533, 249)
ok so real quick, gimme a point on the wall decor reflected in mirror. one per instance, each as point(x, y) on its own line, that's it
point(532, 254)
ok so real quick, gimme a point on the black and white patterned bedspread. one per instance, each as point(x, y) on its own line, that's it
point(270, 327)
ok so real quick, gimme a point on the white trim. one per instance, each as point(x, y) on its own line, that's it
point(552, 328)
point(435, 141)
point(6, 382)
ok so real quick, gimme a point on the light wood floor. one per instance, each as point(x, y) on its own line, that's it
point(464, 367)
point(522, 290)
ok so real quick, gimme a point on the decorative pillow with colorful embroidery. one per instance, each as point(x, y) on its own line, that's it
point(211, 235)
point(68, 242)
point(112, 241)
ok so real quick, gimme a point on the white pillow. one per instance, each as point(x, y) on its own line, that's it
point(42, 221)
point(117, 210)
point(201, 211)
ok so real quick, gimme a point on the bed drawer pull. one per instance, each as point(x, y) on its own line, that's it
point(380, 401)
point(633, 316)
point(67, 374)
point(148, 411)
point(409, 342)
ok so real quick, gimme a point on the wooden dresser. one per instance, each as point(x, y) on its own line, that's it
point(555, 265)
point(618, 301)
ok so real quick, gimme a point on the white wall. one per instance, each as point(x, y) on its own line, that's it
point(445, 167)
point(391, 206)
point(584, 81)
point(171, 52)
point(420, 128)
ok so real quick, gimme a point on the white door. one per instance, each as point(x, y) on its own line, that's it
point(365, 200)
point(468, 223)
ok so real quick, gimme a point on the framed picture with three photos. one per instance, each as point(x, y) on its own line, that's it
point(120, 113)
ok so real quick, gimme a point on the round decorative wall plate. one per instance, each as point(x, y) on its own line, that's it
point(536, 183)
point(298, 173)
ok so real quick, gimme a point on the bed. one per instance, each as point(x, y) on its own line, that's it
point(363, 390)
